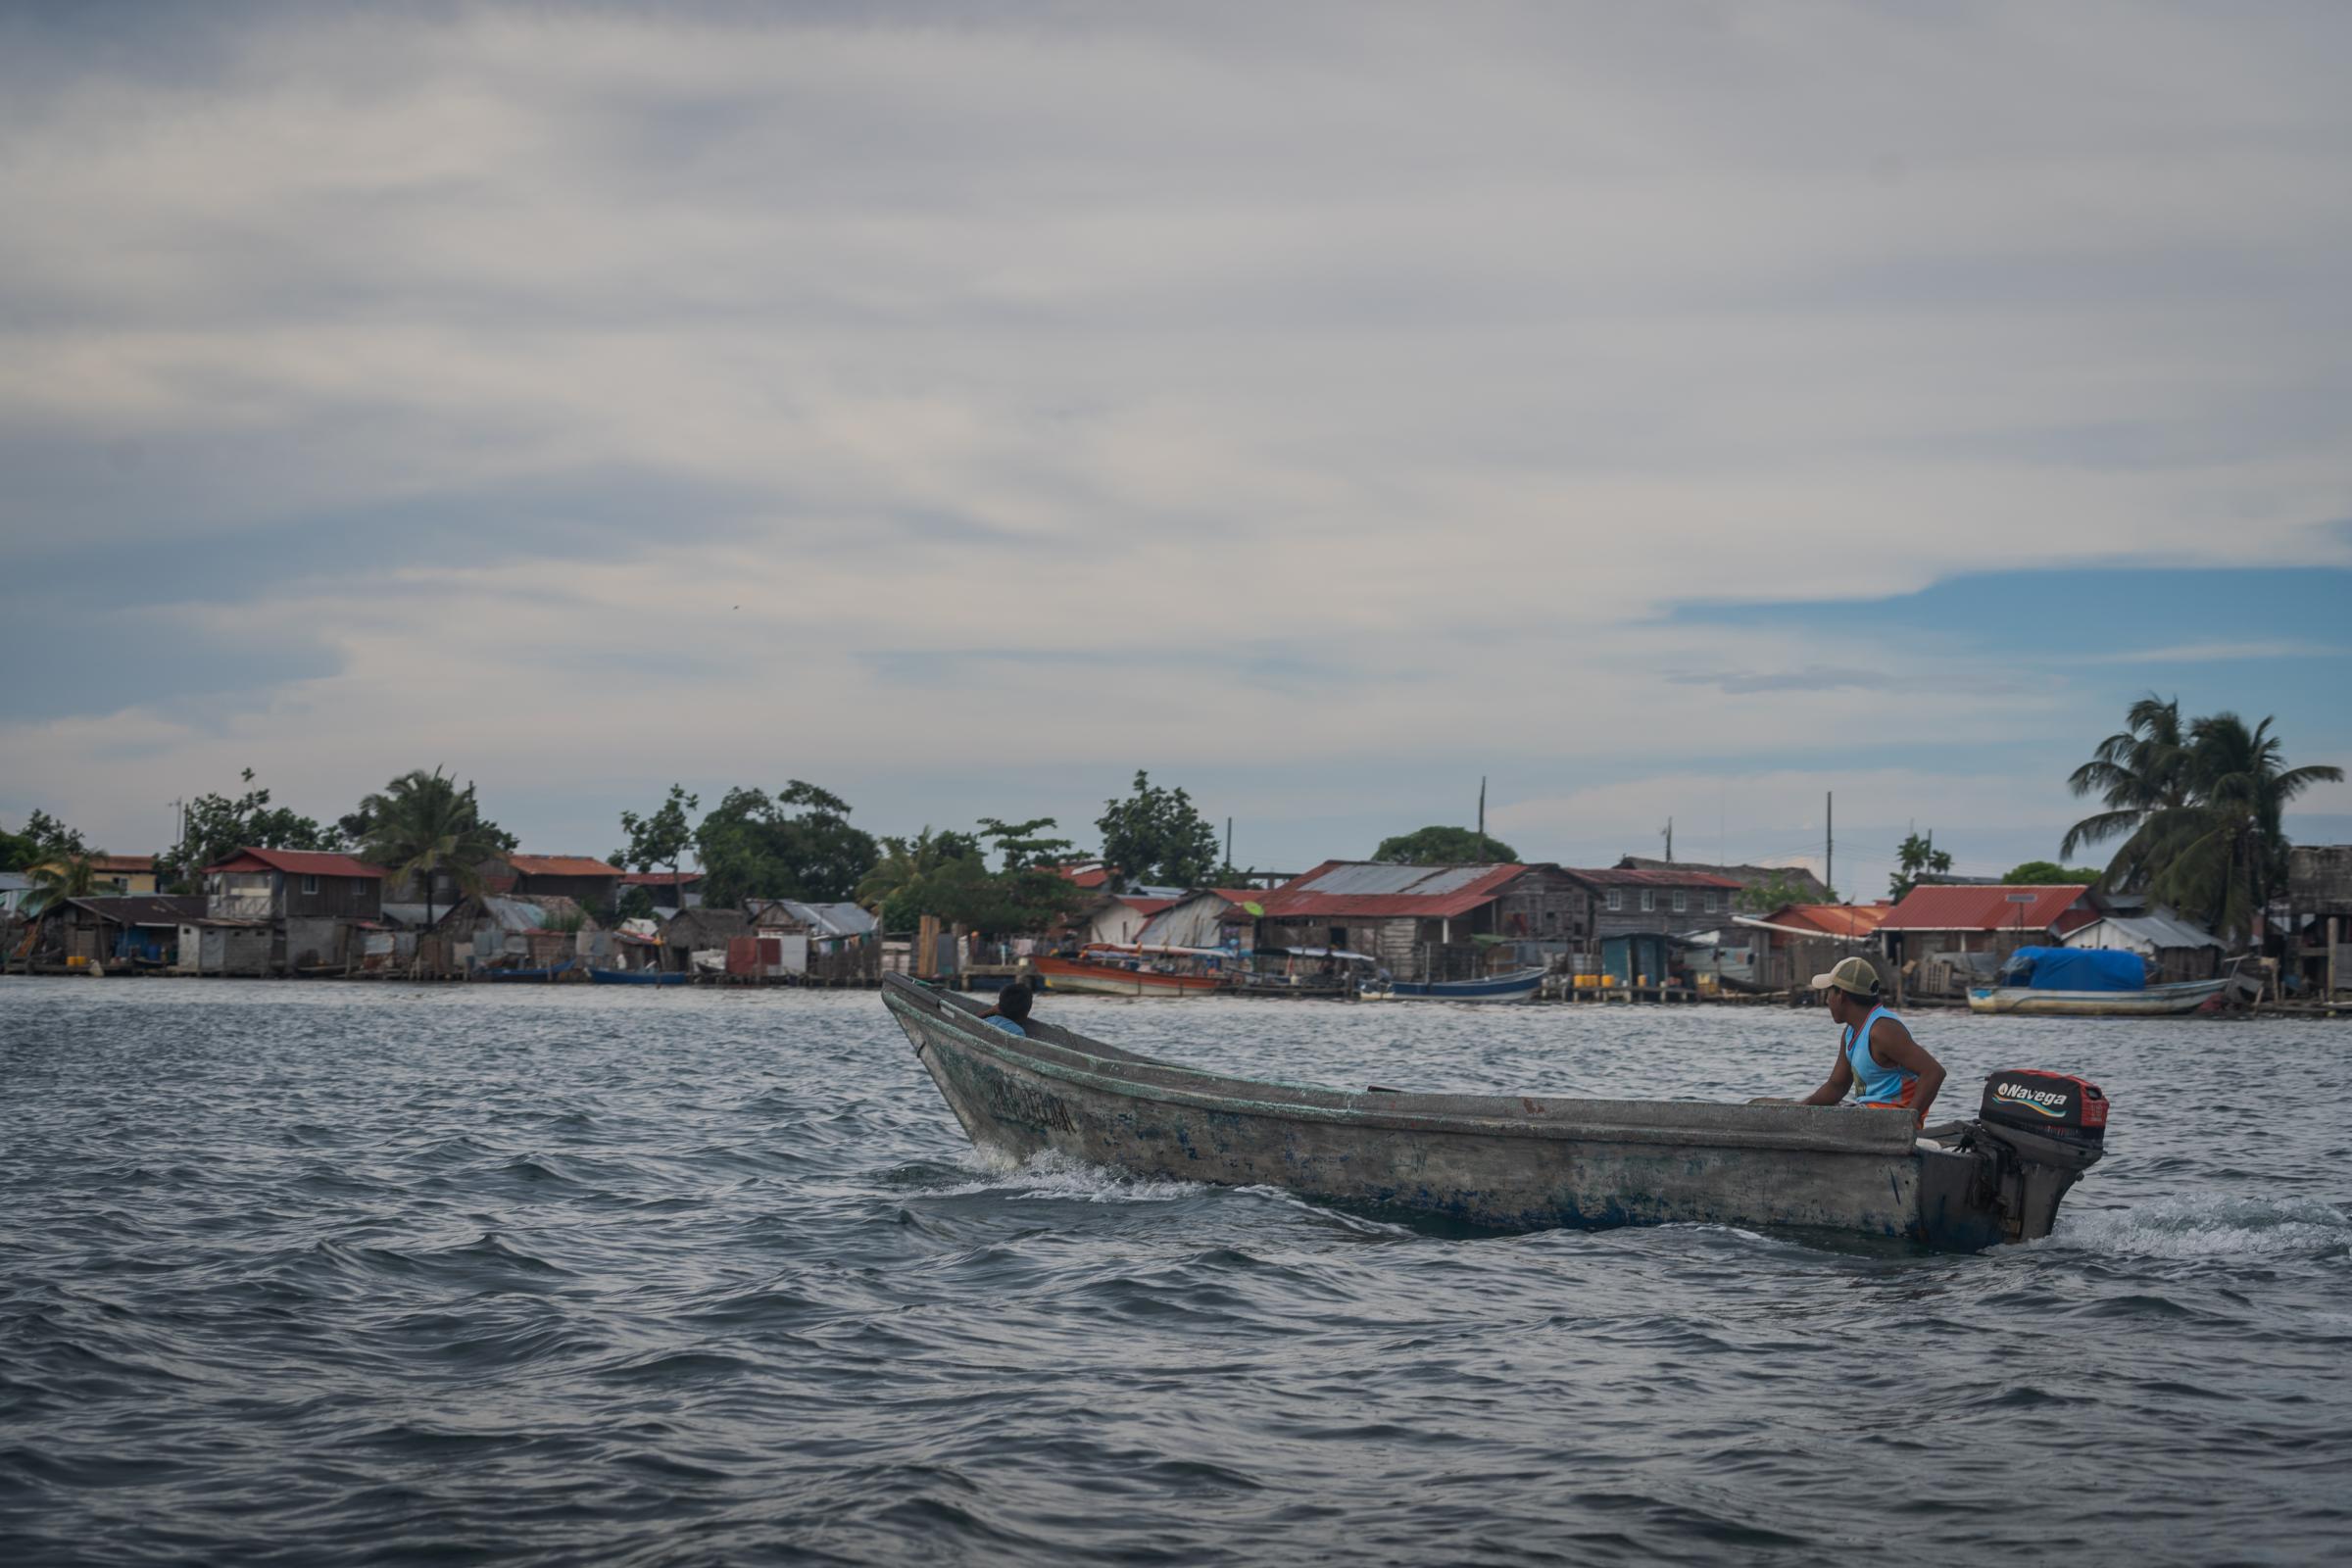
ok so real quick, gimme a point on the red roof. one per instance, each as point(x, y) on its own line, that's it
point(560, 866)
point(1831, 919)
point(1089, 875)
point(121, 863)
point(297, 862)
point(1325, 891)
point(1983, 908)
point(1147, 905)
point(1623, 877)
point(659, 879)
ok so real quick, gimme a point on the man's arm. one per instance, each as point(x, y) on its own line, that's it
point(1834, 1088)
point(1892, 1043)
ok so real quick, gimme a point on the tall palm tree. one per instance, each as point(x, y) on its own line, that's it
point(2220, 850)
point(422, 824)
point(2139, 769)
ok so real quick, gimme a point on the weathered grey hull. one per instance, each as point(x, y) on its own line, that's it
point(1518, 1163)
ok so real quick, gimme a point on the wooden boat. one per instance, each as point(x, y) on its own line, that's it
point(638, 977)
point(1520, 985)
point(553, 973)
point(1516, 1162)
point(2153, 1001)
point(1099, 977)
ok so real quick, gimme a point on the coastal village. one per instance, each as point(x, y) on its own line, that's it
point(1641, 930)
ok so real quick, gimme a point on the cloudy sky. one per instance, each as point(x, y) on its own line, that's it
point(1667, 411)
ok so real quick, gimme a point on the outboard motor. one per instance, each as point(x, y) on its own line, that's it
point(2038, 1133)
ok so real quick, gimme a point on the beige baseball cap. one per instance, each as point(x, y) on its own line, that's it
point(1854, 976)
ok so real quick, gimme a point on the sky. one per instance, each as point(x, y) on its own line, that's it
point(1677, 412)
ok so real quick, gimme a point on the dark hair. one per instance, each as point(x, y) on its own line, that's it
point(1014, 1001)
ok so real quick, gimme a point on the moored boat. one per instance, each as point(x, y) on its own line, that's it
point(553, 973)
point(1517, 1163)
point(638, 977)
point(1520, 985)
point(2151, 1003)
point(1122, 977)
point(2087, 983)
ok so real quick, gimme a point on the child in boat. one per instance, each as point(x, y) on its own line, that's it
point(1011, 1011)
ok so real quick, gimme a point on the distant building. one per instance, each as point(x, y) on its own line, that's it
point(137, 928)
point(2316, 942)
point(1213, 917)
point(1943, 938)
point(113, 873)
point(1671, 901)
point(2179, 949)
point(1120, 917)
point(591, 883)
point(1796, 883)
point(1426, 921)
point(310, 902)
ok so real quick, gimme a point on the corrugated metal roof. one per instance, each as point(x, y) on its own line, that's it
point(1980, 909)
point(2161, 929)
point(1611, 876)
point(660, 879)
point(1830, 919)
point(1378, 891)
point(829, 919)
point(144, 908)
point(561, 866)
point(297, 862)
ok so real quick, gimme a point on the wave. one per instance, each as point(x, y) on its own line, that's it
point(2208, 1227)
point(1053, 1174)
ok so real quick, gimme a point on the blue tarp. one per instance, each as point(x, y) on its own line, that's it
point(2075, 969)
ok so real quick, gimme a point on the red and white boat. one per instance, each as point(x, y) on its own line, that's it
point(1128, 970)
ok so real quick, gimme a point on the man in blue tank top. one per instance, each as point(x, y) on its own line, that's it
point(1877, 1057)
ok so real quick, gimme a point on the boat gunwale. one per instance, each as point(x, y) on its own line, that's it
point(1891, 1131)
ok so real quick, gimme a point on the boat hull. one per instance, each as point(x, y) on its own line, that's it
point(1515, 1163)
point(1519, 986)
point(2154, 1003)
point(638, 977)
point(1107, 980)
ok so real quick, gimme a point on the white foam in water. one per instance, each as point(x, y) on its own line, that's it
point(1053, 1174)
point(2207, 1227)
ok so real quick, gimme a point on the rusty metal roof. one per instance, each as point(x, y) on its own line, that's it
point(143, 909)
point(1831, 919)
point(297, 862)
point(1983, 908)
point(660, 879)
point(1377, 890)
point(561, 866)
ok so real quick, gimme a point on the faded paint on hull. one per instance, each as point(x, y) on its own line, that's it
point(1507, 1164)
point(2154, 1003)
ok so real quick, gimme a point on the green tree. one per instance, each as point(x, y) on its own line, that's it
point(2139, 771)
point(1030, 893)
point(44, 838)
point(2218, 850)
point(2048, 874)
point(913, 877)
point(797, 845)
point(1916, 857)
point(1444, 846)
point(71, 874)
point(422, 824)
point(218, 827)
point(661, 837)
point(1155, 835)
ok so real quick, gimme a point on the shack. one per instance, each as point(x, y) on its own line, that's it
point(701, 930)
point(1211, 917)
point(1425, 922)
point(2316, 945)
point(132, 930)
point(591, 883)
point(223, 947)
point(2179, 950)
point(1943, 938)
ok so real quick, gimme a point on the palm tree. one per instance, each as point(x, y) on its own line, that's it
point(2139, 769)
point(2216, 846)
point(907, 862)
point(62, 878)
point(423, 824)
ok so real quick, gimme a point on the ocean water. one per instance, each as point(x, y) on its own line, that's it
point(334, 1274)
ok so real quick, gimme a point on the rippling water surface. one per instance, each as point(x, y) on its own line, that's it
point(369, 1274)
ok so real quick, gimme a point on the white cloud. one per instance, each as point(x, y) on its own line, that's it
point(1346, 385)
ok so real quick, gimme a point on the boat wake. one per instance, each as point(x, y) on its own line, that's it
point(1052, 1174)
point(2208, 1227)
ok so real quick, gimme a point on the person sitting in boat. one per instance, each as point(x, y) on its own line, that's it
point(1877, 1057)
point(1011, 1011)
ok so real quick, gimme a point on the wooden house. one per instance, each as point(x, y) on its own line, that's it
point(1425, 921)
point(2315, 946)
point(1943, 938)
point(1668, 902)
point(310, 901)
point(2179, 950)
point(116, 929)
point(700, 930)
point(681, 890)
point(590, 883)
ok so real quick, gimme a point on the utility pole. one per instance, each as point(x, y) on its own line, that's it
point(1229, 844)
point(1829, 841)
point(1670, 841)
point(1482, 816)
